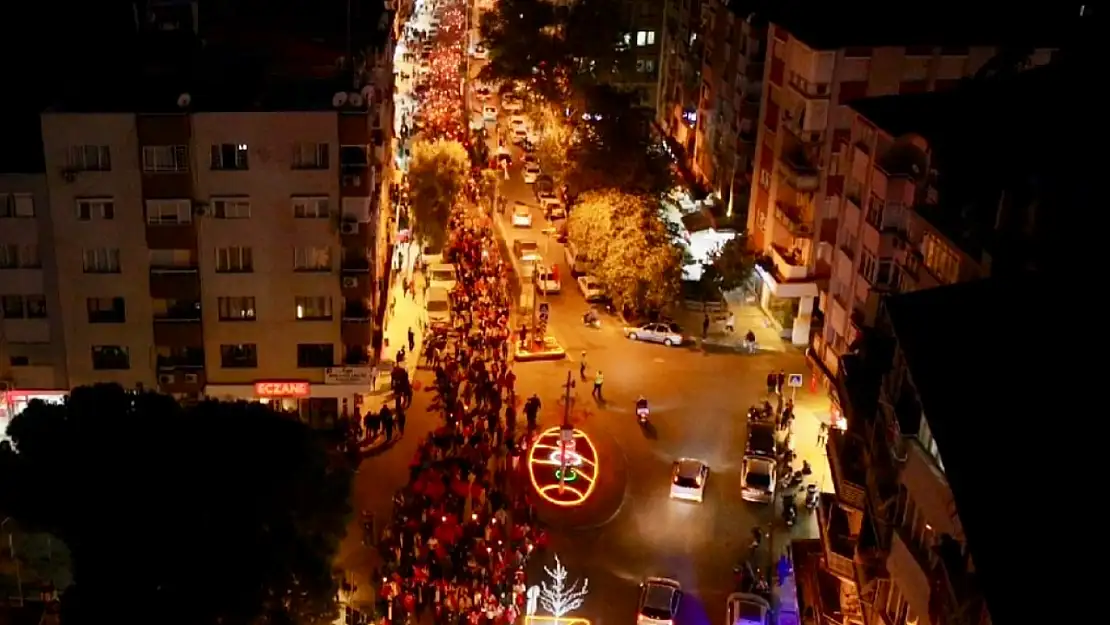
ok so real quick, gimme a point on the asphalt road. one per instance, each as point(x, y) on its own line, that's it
point(630, 528)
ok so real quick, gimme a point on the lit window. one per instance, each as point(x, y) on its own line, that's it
point(645, 38)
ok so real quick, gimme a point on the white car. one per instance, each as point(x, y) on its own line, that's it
point(757, 477)
point(512, 103)
point(688, 479)
point(517, 121)
point(659, 599)
point(668, 334)
point(531, 172)
point(747, 609)
point(522, 215)
point(480, 53)
point(519, 135)
point(552, 205)
point(441, 275)
point(591, 288)
point(547, 281)
point(489, 113)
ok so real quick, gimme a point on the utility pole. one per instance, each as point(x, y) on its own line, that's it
point(566, 433)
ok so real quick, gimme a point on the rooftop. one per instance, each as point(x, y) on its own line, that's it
point(969, 348)
point(834, 25)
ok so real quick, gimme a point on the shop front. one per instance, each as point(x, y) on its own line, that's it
point(319, 405)
point(788, 304)
point(13, 402)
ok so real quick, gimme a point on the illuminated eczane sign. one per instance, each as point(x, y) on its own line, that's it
point(282, 389)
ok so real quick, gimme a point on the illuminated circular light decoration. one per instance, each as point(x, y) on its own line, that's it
point(545, 468)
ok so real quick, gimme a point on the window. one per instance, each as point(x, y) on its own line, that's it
point(310, 156)
point(867, 266)
point(875, 211)
point(313, 308)
point(311, 355)
point(165, 158)
point(230, 156)
point(9, 256)
point(312, 259)
point(90, 158)
point(241, 356)
point(95, 208)
point(172, 260)
point(940, 259)
point(645, 38)
point(231, 208)
point(110, 357)
point(102, 260)
point(235, 259)
point(17, 205)
point(11, 306)
point(36, 306)
point(169, 212)
point(106, 309)
point(29, 257)
point(239, 308)
point(310, 208)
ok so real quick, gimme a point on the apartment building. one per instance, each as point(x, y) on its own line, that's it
point(914, 532)
point(676, 113)
point(644, 39)
point(32, 349)
point(728, 103)
point(224, 243)
point(819, 61)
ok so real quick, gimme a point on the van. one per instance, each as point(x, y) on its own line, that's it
point(441, 276)
point(575, 260)
point(437, 303)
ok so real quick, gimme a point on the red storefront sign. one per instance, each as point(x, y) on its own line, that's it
point(282, 389)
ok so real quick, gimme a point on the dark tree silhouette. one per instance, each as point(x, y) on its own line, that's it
point(220, 512)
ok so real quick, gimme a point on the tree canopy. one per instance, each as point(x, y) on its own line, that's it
point(631, 249)
point(728, 267)
point(219, 512)
point(437, 175)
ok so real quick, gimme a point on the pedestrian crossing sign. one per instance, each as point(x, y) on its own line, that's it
point(795, 380)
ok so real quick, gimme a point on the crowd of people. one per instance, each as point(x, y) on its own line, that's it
point(463, 527)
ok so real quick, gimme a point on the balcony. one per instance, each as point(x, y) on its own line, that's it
point(182, 358)
point(788, 264)
point(174, 284)
point(354, 264)
point(356, 311)
point(797, 172)
point(847, 465)
point(836, 539)
point(181, 311)
point(911, 567)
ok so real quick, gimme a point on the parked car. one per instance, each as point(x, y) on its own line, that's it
point(592, 289)
point(669, 334)
point(527, 251)
point(522, 215)
point(531, 172)
point(547, 281)
point(489, 113)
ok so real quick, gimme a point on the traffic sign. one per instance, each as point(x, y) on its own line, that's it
point(545, 311)
point(795, 380)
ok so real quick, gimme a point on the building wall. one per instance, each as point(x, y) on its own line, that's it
point(121, 184)
point(273, 233)
point(32, 347)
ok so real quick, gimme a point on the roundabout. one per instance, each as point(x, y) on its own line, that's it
point(563, 466)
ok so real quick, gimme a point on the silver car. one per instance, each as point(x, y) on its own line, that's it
point(747, 609)
point(669, 334)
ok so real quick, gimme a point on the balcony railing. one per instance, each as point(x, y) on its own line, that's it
point(845, 464)
point(356, 313)
point(174, 268)
point(182, 313)
point(355, 265)
point(793, 217)
point(788, 265)
point(799, 173)
point(181, 362)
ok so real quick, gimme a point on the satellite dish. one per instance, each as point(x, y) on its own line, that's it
point(339, 99)
point(355, 99)
point(368, 93)
point(184, 100)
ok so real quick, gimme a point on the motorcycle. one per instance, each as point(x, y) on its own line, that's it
point(591, 320)
point(642, 411)
point(812, 497)
point(789, 510)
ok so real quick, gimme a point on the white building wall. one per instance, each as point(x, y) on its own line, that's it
point(273, 233)
point(122, 184)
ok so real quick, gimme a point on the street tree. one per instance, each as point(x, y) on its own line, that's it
point(488, 184)
point(642, 268)
point(437, 176)
point(728, 267)
point(555, 139)
point(591, 224)
point(218, 512)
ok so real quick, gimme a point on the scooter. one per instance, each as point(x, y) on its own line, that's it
point(812, 497)
point(642, 412)
point(591, 321)
point(789, 510)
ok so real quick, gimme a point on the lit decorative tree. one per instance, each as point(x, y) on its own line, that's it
point(558, 598)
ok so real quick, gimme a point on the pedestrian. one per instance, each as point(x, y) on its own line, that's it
point(412, 340)
point(385, 418)
point(772, 381)
point(599, 380)
point(401, 421)
point(730, 325)
point(705, 327)
point(780, 381)
point(822, 433)
point(582, 367)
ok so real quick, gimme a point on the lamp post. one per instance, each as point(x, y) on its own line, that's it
point(566, 434)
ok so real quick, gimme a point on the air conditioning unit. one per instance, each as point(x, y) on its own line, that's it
point(192, 378)
point(350, 282)
point(348, 227)
point(165, 378)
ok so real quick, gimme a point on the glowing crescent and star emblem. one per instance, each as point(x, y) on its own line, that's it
point(546, 465)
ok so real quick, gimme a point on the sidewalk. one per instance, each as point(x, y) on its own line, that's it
point(748, 317)
point(405, 312)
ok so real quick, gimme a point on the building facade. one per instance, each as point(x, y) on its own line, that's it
point(804, 151)
point(676, 113)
